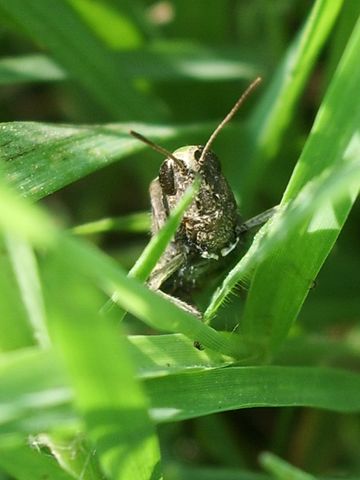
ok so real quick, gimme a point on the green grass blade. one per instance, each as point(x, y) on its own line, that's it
point(74, 46)
point(156, 63)
point(268, 123)
point(28, 69)
point(36, 394)
point(138, 222)
point(27, 275)
point(22, 224)
point(281, 283)
point(115, 24)
point(333, 183)
point(282, 470)
point(39, 159)
point(172, 397)
point(107, 394)
point(12, 310)
point(316, 351)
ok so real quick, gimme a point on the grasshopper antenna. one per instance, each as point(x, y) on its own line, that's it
point(229, 116)
point(155, 146)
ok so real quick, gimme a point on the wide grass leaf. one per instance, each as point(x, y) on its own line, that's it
point(172, 398)
point(39, 159)
point(282, 282)
point(107, 394)
point(37, 393)
point(273, 114)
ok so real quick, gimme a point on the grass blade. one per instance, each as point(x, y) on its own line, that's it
point(334, 183)
point(39, 159)
point(172, 398)
point(154, 62)
point(107, 393)
point(293, 266)
point(28, 69)
point(26, 272)
point(12, 311)
point(282, 470)
point(270, 119)
point(135, 223)
point(36, 394)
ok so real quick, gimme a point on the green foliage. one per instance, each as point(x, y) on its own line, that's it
point(89, 392)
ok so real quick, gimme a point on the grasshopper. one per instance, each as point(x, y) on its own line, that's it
point(211, 229)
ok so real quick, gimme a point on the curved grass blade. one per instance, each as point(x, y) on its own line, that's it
point(106, 391)
point(287, 221)
point(282, 282)
point(39, 159)
point(334, 175)
point(269, 120)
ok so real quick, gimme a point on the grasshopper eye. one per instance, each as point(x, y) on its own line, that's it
point(166, 178)
point(197, 154)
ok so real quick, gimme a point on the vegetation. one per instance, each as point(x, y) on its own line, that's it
point(99, 377)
